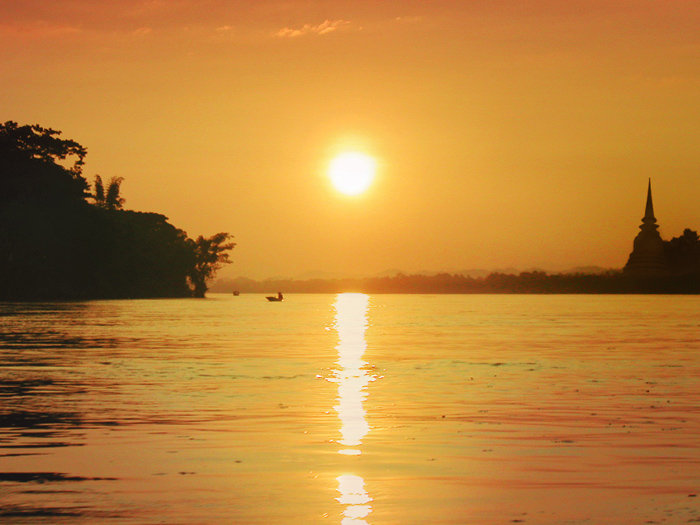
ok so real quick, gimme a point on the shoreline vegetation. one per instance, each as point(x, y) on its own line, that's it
point(63, 239)
point(536, 282)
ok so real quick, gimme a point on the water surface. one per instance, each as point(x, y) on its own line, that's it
point(389, 409)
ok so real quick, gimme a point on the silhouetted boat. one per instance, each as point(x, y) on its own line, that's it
point(278, 297)
point(236, 292)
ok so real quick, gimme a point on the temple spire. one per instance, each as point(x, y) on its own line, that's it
point(649, 212)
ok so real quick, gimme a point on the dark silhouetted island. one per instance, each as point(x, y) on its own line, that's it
point(59, 240)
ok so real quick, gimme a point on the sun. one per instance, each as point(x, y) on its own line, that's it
point(352, 172)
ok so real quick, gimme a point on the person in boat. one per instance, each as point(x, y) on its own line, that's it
point(280, 296)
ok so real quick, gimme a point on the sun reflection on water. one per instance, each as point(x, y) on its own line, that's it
point(351, 374)
point(352, 378)
point(353, 494)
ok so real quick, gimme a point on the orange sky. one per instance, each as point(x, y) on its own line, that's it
point(508, 133)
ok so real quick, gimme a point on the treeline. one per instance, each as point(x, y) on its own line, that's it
point(613, 282)
point(60, 239)
point(682, 254)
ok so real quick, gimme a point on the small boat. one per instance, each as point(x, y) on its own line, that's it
point(236, 293)
point(278, 297)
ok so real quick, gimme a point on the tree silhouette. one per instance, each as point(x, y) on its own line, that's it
point(32, 169)
point(209, 256)
point(683, 253)
point(33, 141)
point(60, 240)
point(99, 193)
point(110, 199)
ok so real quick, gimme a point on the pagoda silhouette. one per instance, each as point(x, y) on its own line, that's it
point(648, 258)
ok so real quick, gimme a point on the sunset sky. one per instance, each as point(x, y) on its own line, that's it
point(507, 133)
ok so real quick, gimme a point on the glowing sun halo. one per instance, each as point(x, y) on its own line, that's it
point(351, 173)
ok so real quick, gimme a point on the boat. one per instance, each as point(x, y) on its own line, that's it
point(236, 293)
point(277, 298)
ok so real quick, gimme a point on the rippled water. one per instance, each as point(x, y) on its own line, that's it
point(351, 409)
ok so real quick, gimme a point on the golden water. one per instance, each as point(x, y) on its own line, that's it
point(389, 409)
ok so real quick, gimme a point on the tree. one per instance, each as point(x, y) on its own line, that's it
point(139, 254)
point(60, 240)
point(209, 256)
point(110, 199)
point(683, 253)
point(32, 160)
point(44, 250)
point(39, 143)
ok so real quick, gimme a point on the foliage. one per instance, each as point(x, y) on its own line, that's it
point(110, 199)
point(683, 253)
point(35, 142)
point(209, 256)
point(55, 245)
point(141, 255)
point(31, 170)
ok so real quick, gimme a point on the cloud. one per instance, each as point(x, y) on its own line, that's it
point(142, 31)
point(328, 26)
point(408, 19)
point(39, 29)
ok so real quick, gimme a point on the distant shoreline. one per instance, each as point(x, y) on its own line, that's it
point(612, 282)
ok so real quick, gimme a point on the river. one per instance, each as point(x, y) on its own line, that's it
point(351, 409)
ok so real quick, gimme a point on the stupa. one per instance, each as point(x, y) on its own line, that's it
point(648, 258)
